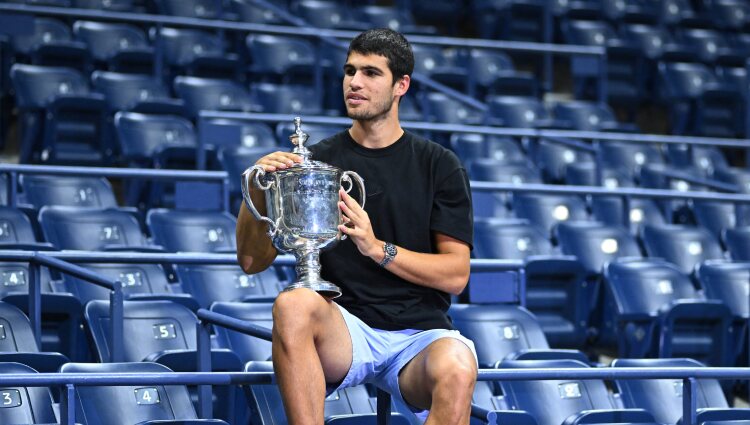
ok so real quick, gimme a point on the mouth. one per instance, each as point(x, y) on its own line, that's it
point(355, 99)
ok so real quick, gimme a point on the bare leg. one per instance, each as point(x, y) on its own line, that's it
point(311, 346)
point(441, 378)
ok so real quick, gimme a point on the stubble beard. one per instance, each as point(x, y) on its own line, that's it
point(380, 111)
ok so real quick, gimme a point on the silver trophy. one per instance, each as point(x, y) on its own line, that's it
point(303, 212)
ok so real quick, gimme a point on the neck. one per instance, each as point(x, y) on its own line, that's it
point(377, 133)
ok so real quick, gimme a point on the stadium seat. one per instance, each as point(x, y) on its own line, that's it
point(680, 13)
point(209, 284)
point(629, 157)
point(734, 175)
point(152, 404)
point(206, 9)
point(51, 44)
point(22, 405)
point(553, 159)
point(589, 116)
point(135, 93)
point(554, 402)
point(40, 190)
point(546, 210)
point(705, 158)
point(737, 241)
point(710, 47)
point(509, 238)
point(235, 161)
point(683, 246)
point(280, 59)
point(521, 112)
point(595, 244)
point(224, 133)
point(611, 211)
point(664, 397)
point(196, 52)
point(153, 141)
point(91, 229)
point(109, 5)
point(327, 14)
point(442, 65)
point(584, 174)
point(473, 146)
point(190, 231)
point(619, 12)
point(401, 20)
point(116, 47)
point(730, 283)
point(495, 203)
point(212, 94)
point(441, 108)
point(729, 15)
point(19, 344)
point(247, 348)
point(491, 72)
point(248, 11)
point(519, 20)
point(653, 310)
point(717, 216)
point(287, 99)
point(17, 231)
point(61, 120)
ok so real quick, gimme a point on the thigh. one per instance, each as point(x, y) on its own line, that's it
point(417, 379)
point(334, 345)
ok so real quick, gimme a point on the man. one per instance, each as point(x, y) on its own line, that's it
point(406, 252)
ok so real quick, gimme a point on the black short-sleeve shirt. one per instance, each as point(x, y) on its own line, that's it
point(414, 188)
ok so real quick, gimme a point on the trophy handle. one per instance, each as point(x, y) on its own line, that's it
point(245, 183)
point(347, 178)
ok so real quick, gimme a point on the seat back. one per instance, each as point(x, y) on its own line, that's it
point(247, 348)
point(439, 107)
point(40, 190)
point(497, 330)
point(35, 86)
point(473, 146)
point(16, 331)
point(182, 46)
point(46, 30)
point(135, 279)
point(544, 211)
point(143, 136)
point(207, 9)
point(150, 327)
point(508, 239)
point(514, 111)
point(209, 284)
point(663, 397)
point(212, 94)
point(551, 402)
point(586, 116)
point(630, 156)
point(715, 216)
point(192, 231)
point(685, 80)
point(684, 246)
point(610, 210)
point(124, 91)
point(236, 160)
point(89, 229)
point(287, 99)
point(24, 405)
point(105, 40)
point(493, 170)
point(553, 159)
point(728, 282)
point(595, 244)
point(128, 404)
point(247, 11)
point(274, 55)
point(112, 5)
point(738, 242)
point(15, 227)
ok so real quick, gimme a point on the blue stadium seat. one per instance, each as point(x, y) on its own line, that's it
point(224, 133)
point(23, 405)
point(518, 111)
point(39, 190)
point(707, 159)
point(630, 157)
point(716, 217)
point(51, 44)
point(442, 65)
point(246, 347)
point(327, 14)
point(710, 47)
point(653, 310)
point(248, 11)
point(473, 146)
point(555, 288)
point(595, 244)
point(665, 176)
point(235, 161)
point(17, 231)
point(91, 229)
point(109, 5)
point(19, 344)
point(729, 15)
point(734, 175)
point(280, 59)
point(680, 13)
point(61, 120)
point(684, 246)
point(340, 407)
point(611, 210)
point(287, 99)
point(546, 210)
point(737, 241)
point(554, 402)
point(155, 140)
point(589, 116)
point(699, 104)
point(495, 204)
point(519, 20)
point(196, 52)
point(441, 108)
point(116, 405)
point(213, 95)
point(619, 12)
point(663, 397)
point(584, 174)
point(401, 20)
point(491, 72)
point(135, 93)
point(190, 231)
point(441, 13)
point(162, 332)
point(730, 283)
point(553, 159)
point(116, 47)
point(206, 9)
point(209, 284)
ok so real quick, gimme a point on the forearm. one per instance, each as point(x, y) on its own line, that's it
point(448, 272)
point(255, 252)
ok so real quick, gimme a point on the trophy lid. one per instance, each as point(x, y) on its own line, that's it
point(298, 139)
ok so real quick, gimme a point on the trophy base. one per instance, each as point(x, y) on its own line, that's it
point(324, 288)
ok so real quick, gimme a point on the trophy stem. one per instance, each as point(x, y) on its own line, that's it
point(308, 274)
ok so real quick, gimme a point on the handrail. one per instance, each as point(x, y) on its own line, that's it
point(13, 170)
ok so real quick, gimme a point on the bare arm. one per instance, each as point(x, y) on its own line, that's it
point(447, 270)
point(255, 251)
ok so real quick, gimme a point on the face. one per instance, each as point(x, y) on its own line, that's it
point(369, 91)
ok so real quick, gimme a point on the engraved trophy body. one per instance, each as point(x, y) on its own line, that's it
point(303, 212)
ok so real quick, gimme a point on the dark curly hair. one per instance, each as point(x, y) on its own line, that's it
point(388, 43)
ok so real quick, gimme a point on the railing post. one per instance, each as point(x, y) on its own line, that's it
point(689, 415)
point(599, 160)
point(116, 314)
point(35, 300)
point(603, 78)
point(68, 405)
point(205, 408)
point(384, 407)
point(12, 188)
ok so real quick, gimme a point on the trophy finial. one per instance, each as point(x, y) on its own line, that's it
point(299, 138)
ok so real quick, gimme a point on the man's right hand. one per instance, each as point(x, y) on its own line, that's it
point(278, 161)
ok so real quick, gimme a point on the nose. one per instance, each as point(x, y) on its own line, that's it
point(355, 82)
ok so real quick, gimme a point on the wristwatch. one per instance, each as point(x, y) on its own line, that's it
point(390, 253)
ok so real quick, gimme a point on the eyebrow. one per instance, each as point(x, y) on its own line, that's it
point(365, 68)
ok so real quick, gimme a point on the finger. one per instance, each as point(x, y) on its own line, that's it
point(353, 217)
point(350, 202)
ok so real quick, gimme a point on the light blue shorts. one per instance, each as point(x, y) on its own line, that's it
point(378, 356)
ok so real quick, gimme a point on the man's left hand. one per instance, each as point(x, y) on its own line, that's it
point(357, 226)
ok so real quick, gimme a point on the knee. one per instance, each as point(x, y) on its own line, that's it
point(296, 311)
point(457, 376)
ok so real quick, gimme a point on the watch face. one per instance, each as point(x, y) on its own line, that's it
point(390, 249)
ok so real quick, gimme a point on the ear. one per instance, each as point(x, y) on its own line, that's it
point(402, 86)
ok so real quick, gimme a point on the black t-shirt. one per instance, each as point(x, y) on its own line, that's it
point(414, 187)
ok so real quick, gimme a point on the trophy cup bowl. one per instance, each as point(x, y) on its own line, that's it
point(303, 212)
